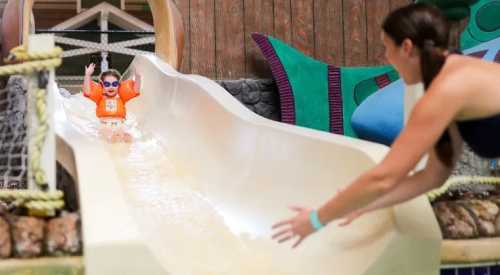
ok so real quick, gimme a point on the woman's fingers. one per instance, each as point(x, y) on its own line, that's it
point(281, 233)
point(296, 208)
point(282, 240)
point(297, 243)
point(282, 223)
point(345, 222)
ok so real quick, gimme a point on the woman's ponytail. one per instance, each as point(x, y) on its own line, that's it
point(432, 60)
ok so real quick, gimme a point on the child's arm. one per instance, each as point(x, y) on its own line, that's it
point(137, 81)
point(89, 70)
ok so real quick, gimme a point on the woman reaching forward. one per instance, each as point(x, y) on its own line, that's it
point(461, 102)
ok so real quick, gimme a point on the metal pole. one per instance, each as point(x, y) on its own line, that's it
point(104, 40)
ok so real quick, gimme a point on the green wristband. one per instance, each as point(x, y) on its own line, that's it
point(314, 219)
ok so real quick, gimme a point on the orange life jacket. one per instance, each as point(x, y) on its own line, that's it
point(113, 107)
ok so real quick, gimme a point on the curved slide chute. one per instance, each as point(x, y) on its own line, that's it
point(205, 178)
point(197, 190)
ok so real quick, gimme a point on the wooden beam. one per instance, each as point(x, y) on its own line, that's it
point(169, 31)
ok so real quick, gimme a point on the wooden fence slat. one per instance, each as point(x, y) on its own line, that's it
point(183, 6)
point(46, 19)
point(218, 42)
point(376, 11)
point(202, 37)
point(229, 36)
point(303, 25)
point(258, 18)
point(283, 20)
point(328, 31)
point(399, 3)
point(355, 33)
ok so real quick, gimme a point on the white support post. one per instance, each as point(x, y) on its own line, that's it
point(104, 40)
point(41, 43)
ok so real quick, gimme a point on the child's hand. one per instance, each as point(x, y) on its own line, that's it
point(136, 75)
point(137, 81)
point(89, 70)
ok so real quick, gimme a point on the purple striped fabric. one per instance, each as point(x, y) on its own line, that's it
point(287, 101)
point(497, 57)
point(382, 80)
point(335, 100)
point(479, 54)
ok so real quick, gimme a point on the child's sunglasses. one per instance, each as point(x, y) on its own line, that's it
point(109, 84)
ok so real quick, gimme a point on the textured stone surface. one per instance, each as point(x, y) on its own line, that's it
point(258, 95)
point(27, 236)
point(63, 235)
point(468, 218)
point(471, 164)
point(5, 239)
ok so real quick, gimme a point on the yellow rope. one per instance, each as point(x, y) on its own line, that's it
point(29, 67)
point(10, 195)
point(461, 180)
point(20, 53)
point(39, 138)
point(44, 205)
point(39, 203)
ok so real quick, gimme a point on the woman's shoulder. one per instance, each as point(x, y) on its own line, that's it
point(458, 68)
point(460, 62)
point(463, 70)
point(453, 78)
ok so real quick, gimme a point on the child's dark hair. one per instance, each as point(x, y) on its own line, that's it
point(428, 30)
point(110, 72)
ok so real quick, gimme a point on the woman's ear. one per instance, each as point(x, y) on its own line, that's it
point(408, 47)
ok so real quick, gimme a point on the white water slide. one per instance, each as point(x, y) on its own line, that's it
point(204, 180)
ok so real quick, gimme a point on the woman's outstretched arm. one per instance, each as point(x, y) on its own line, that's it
point(429, 119)
point(432, 176)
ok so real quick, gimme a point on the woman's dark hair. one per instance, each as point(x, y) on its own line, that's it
point(428, 30)
point(110, 72)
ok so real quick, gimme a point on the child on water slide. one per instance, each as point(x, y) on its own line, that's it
point(110, 95)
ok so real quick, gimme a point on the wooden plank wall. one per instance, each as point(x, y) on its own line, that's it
point(218, 42)
point(341, 32)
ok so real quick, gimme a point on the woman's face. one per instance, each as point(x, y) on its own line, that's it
point(392, 51)
point(403, 57)
point(110, 86)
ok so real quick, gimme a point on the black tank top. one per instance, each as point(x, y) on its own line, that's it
point(482, 135)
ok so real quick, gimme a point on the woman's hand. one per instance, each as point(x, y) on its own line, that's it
point(137, 80)
point(351, 217)
point(298, 226)
point(89, 70)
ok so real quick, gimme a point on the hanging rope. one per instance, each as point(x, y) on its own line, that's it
point(39, 202)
